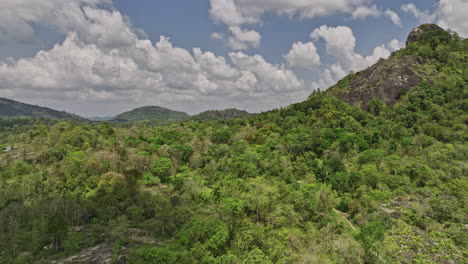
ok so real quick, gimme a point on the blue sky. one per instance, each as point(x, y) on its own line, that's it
point(91, 57)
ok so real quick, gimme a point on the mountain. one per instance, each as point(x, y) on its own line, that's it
point(151, 114)
point(388, 79)
point(220, 114)
point(11, 108)
point(101, 118)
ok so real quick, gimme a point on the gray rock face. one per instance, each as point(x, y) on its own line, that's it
point(100, 254)
point(416, 33)
point(385, 80)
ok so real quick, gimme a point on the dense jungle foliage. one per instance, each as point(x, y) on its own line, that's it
point(317, 182)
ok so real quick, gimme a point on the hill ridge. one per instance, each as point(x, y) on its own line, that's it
point(13, 108)
point(151, 113)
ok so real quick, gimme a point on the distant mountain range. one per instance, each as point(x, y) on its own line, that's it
point(154, 114)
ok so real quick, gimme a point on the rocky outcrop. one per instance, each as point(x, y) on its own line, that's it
point(100, 254)
point(385, 80)
point(6, 148)
point(418, 32)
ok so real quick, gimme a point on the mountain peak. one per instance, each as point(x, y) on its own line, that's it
point(387, 79)
point(152, 114)
point(418, 32)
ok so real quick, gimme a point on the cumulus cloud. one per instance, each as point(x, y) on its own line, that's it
point(228, 12)
point(449, 14)
point(81, 68)
point(268, 76)
point(393, 16)
point(18, 16)
point(242, 39)
point(330, 76)
point(452, 14)
point(107, 62)
point(217, 35)
point(422, 16)
point(238, 13)
point(340, 43)
point(302, 55)
point(395, 45)
point(363, 12)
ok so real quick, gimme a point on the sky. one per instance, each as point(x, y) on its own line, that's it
point(104, 57)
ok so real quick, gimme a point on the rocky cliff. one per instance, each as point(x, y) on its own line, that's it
point(387, 79)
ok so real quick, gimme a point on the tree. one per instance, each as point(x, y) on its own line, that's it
point(222, 136)
point(162, 168)
point(57, 228)
point(256, 256)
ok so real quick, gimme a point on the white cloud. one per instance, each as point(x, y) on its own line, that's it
point(217, 35)
point(242, 39)
point(215, 67)
point(363, 12)
point(228, 12)
point(449, 14)
point(106, 29)
point(269, 76)
point(422, 16)
point(452, 14)
point(105, 62)
point(393, 16)
point(17, 18)
point(340, 44)
point(302, 55)
point(330, 76)
point(239, 12)
point(395, 45)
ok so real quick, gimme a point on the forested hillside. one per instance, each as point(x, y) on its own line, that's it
point(213, 115)
point(11, 108)
point(321, 181)
point(154, 114)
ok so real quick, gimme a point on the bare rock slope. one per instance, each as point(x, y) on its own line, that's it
point(387, 79)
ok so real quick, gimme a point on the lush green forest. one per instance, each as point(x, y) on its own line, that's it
point(154, 114)
point(213, 115)
point(320, 181)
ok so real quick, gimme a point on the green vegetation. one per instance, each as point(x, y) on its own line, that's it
point(320, 181)
point(214, 115)
point(153, 114)
point(10, 108)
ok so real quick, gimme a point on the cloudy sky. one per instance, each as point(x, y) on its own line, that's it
point(103, 57)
